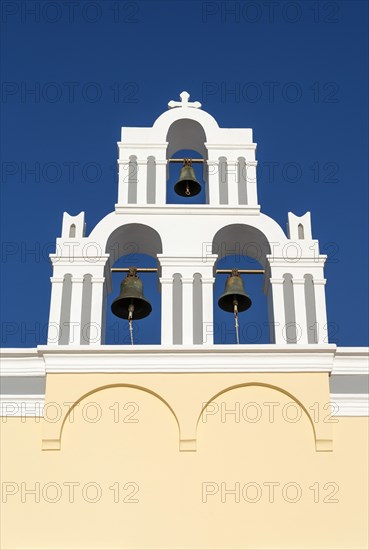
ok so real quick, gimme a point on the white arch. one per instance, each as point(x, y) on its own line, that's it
point(164, 121)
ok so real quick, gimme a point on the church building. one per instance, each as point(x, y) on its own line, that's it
point(191, 442)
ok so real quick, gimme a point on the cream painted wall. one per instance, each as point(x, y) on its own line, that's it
point(134, 445)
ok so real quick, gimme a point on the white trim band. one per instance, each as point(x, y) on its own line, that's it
point(22, 405)
point(351, 404)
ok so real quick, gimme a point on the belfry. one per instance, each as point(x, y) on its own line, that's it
point(187, 253)
point(188, 442)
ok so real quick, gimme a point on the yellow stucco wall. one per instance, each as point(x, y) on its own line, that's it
point(120, 481)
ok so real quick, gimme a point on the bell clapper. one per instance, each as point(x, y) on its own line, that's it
point(188, 192)
point(235, 312)
point(131, 309)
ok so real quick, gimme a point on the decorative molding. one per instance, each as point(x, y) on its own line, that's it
point(22, 405)
point(351, 404)
point(351, 361)
point(184, 209)
point(197, 358)
point(21, 362)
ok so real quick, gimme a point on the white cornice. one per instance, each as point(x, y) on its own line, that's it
point(215, 358)
point(22, 405)
point(351, 404)
point(349, 360)
point(21, 362)
point(184, 209)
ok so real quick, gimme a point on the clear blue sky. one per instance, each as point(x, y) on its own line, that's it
point(296, 73)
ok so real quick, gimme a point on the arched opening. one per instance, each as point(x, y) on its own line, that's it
point(72, 231)
point(241, 246)
point(186, 140)
point(300, 231)
point(134, 245)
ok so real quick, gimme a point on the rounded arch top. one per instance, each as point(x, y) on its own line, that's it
point(205, 120)
point(186, 134)
point(249, 240)
point(142, 238)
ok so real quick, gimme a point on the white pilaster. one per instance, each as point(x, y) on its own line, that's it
point(213, 182)
point(207, 310)
point(300, 310)
point(55, 309)
point(252, 197)
point(279, 317)
point(166, 310)
point(76, 311)
point(161, 182)
point(187, 310)
point(232, 182)
point(123, 178)
point(97, 310)
point(321, 311)
point(141, 182)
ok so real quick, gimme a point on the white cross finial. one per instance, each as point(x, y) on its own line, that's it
point(184, 102)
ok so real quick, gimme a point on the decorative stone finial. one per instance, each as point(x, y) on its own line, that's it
point(184, 102)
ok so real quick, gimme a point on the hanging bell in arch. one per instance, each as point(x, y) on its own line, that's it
point(187, 185)
point(131, 303)
point(234, 298)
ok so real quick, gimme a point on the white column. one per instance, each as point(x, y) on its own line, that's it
point(123, 182)
point(187, 310)
point(300, 310)
point(97, 310)
point(141, 182)
point(279, 316)
point(321, 311)
point(207, 310)
point(252, 198)
point(232, 182)
point(161, 182)
point(213, 182)
point(166, 310)
point(76, 311)
point(55, 309)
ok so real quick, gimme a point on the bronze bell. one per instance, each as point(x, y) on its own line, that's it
point(131, 303)
point(234, 298)
point(187, 185)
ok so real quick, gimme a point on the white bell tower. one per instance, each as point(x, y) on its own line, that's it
point(187, 239)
